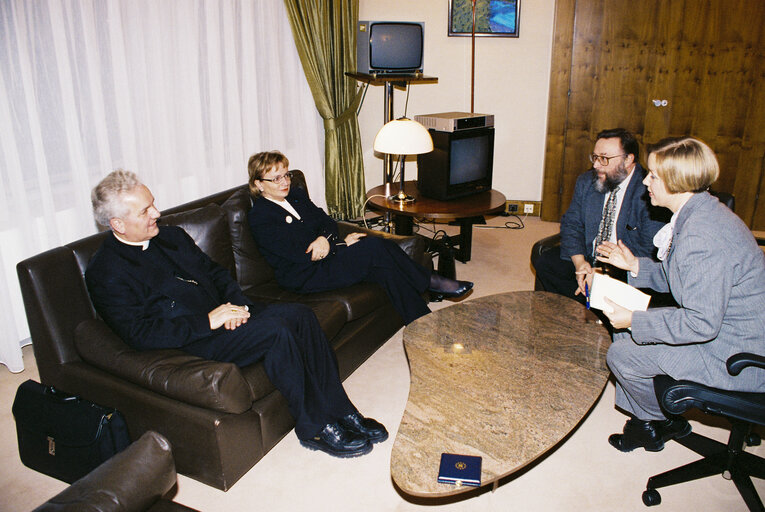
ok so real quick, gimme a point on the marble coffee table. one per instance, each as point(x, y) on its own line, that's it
point(504, 377)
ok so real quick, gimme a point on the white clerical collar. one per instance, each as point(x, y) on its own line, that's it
point(143, 245)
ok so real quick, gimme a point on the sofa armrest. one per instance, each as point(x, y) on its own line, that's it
point(132, 480)
point(413, 245)
point(172, 373)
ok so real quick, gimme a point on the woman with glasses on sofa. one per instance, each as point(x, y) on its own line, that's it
point(301, 242)
point(710, 262)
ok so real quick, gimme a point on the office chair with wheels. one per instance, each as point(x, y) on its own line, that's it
point(742, 410)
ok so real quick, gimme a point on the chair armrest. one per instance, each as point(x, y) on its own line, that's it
point(544, 245)
point(134, 479)
point(169, 372)
point(738, 362)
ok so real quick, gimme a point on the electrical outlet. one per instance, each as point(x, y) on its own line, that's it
point(528, 208)
point(512, 208)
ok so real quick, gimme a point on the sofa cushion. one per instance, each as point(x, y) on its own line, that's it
point(172, 373)
point(251, 268)
point(208, 226)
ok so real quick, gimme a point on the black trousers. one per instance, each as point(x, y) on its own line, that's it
point(377, 260)
point(557, 275)
point(297, 358)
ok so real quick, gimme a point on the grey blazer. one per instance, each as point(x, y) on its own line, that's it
point(716, 273)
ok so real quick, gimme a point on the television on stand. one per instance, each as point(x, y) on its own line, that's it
point(461, 164)
point(389, 47)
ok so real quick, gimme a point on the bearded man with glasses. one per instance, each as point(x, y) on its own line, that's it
point(610, 203)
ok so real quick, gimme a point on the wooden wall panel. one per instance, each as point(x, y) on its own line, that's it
point(705, 57)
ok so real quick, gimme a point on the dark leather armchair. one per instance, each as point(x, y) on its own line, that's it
point(140, 478)
point(742, 410)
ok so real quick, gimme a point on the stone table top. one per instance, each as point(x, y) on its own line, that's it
point(505, 377)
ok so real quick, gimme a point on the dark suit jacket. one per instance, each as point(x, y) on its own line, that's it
point(283, 239)
point(148, 303)
point(638, 222)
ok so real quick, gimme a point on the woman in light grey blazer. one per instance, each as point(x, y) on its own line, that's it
point(712, 265)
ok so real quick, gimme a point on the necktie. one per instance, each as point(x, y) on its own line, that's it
point(607, 222)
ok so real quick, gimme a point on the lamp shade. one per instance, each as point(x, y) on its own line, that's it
point(403, 137)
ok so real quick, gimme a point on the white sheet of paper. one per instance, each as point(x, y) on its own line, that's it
point(622, 293)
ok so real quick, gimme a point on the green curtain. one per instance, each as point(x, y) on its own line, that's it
point(325, 36)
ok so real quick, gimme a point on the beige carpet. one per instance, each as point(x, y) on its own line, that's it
point(583, 474)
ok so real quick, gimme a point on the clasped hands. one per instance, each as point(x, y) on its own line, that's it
point(320, 247)
point(229, 316)
point(621, 257)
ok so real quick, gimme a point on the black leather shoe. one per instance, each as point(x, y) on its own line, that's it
point(638, 434)
point(369, 428)
point(650, 435)
point(338, 442)
point(673, 429)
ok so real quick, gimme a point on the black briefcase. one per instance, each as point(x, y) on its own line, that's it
point(63, 435)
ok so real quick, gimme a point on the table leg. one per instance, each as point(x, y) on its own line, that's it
point(403, 225)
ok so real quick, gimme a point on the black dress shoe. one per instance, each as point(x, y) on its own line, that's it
point(650, 435)
point(338, 442)
point(638, 434)
point(369, 428)
point(673, 429)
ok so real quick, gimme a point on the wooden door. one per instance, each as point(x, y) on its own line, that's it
point(702, 61)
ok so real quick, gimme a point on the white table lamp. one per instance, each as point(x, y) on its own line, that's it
point(403, 137)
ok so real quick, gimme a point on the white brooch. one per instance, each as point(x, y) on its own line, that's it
point(288, 219)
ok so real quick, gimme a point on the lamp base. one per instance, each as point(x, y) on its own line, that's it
point(401, 197)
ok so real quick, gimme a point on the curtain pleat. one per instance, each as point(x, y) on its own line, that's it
point(181, 92)
point(325, 32)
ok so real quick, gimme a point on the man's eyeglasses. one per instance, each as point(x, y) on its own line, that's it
point(602, 160)
point(279, 179)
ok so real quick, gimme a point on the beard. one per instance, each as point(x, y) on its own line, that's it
point(612, 180)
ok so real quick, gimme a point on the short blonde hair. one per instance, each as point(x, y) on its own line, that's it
point(260, 164)
point(106, 196)
point(685, 164)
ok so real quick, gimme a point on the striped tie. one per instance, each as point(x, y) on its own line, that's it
point(607, 222)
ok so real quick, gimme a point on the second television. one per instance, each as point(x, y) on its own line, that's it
point(461, 163)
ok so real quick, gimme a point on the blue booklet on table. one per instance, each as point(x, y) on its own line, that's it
point(460, 469)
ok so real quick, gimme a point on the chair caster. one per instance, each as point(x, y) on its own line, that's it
point(753, 440)
point(651, 497)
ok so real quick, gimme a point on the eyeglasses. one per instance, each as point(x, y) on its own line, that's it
point(602, 160)
point(279, 179)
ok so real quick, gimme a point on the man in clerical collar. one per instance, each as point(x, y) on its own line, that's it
point(157, 289)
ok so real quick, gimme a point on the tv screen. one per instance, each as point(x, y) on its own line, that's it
point(389, 47)
point(470, 159)
point(461, 163)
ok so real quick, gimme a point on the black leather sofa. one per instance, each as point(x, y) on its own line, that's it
point(220, 419)
point(140, 478)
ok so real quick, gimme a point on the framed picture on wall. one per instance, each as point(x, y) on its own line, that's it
point(497, 18)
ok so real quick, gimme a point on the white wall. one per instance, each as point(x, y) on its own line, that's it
point(512, 79)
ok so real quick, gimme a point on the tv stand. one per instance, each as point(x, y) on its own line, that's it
point(390, 81)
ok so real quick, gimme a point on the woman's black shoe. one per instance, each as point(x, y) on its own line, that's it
point(443, 287)
point(338, 442)
point(369, 428)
